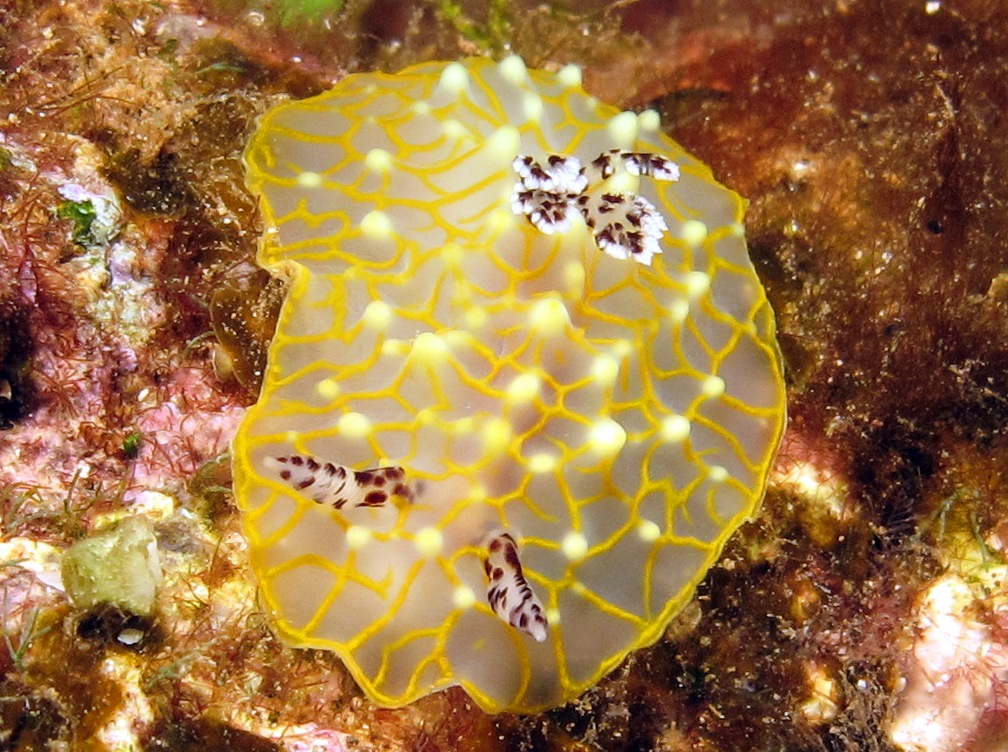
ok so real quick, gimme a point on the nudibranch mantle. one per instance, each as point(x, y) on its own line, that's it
point(501, 438)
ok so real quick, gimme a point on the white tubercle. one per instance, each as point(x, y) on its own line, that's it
point(513, 70)
point(454, 79)
point(623, 129)
point(569, 76)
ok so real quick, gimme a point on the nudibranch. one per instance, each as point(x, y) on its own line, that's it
point(524, 386)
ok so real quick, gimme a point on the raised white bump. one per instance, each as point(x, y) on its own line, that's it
point(574, 546)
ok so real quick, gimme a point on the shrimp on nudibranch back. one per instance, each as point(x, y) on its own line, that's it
point(523, 388)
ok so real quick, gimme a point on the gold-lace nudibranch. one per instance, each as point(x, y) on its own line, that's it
point(524, 387)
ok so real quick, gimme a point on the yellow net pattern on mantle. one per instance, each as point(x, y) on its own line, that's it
point(617, 419)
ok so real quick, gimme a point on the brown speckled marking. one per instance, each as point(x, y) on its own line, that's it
point(550, 197)
point(508, 592)
point(339, 486)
